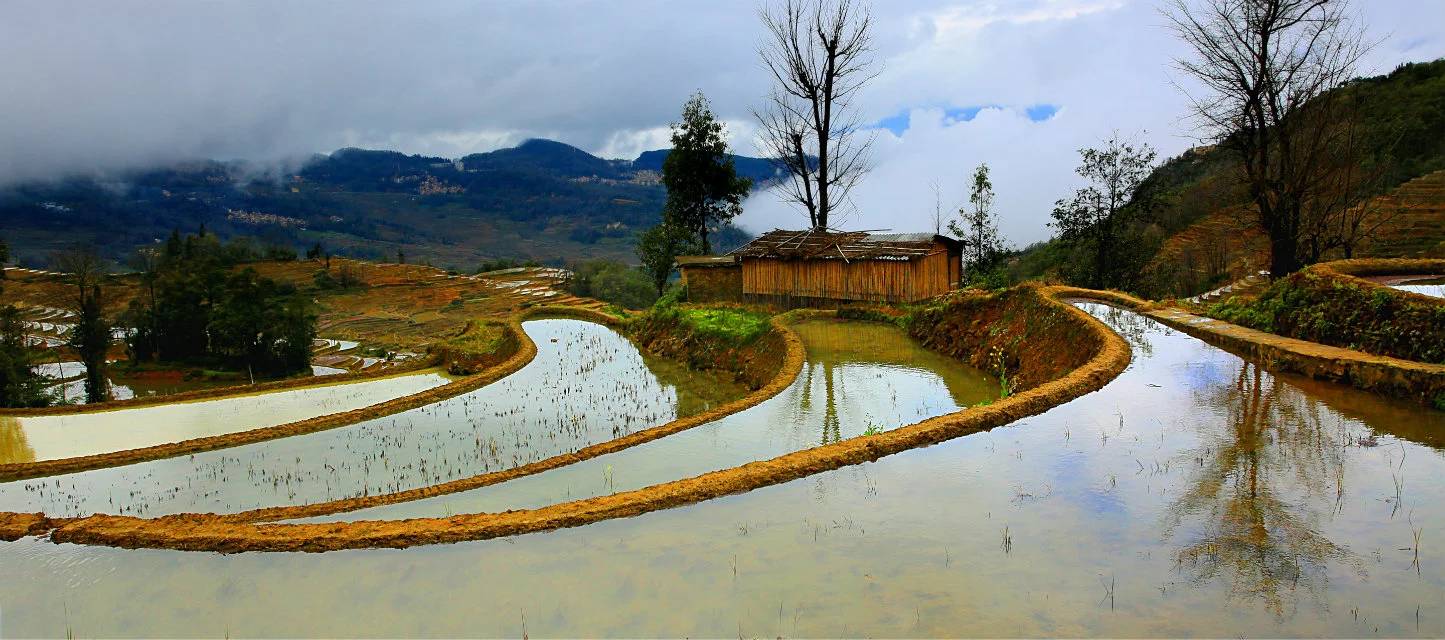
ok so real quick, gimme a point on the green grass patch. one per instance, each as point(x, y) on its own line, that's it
point(738, 326)
point(478, 340)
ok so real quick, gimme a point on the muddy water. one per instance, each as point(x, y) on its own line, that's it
point(858, 375)
point(65, 436)
point(1194, 495)
point(587, 384)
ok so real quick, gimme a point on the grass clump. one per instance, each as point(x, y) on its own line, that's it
point(479, 346)
point(738, 326)
point(1344, 312)
point(479, 339)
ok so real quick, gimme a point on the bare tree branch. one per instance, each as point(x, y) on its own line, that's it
point(819, 53)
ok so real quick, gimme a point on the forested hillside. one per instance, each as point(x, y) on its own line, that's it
point(542, 200)
point(1203, 233)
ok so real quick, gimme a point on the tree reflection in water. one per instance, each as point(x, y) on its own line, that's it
point(1264, 480)
point(1132, 327)
point(13, 445)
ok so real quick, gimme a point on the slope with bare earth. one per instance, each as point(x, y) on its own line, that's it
point(1227, 246)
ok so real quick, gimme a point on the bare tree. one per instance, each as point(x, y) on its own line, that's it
point(1340, 212)
point(819, 53)
point(1268, 69)
point(937, 208)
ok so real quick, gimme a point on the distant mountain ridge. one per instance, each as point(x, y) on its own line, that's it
point(542, 200)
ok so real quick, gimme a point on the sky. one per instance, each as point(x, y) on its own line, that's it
point(1018, 84)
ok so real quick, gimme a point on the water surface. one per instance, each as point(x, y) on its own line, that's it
point(587, 384)
point(80, 434)
point(858, 376)
point(1195, 495)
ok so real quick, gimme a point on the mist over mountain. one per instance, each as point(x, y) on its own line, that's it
point(541, 200)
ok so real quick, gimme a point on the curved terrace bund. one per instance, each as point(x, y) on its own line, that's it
point(1422, 382)
point(515, 351)
point(962, 323)
point(216, 393)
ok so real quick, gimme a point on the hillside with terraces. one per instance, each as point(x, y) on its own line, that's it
point(392, 317)
point(1227, 246)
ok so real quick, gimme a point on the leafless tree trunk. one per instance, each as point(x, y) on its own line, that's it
point(819, 53)
point(1262, 64)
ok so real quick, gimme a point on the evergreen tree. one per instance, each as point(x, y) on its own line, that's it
point(979, 230)
point(194, 309)
point(20, 386)
point(1099, 220)
point(659, 247)
point(703, 187)
point(91, 336)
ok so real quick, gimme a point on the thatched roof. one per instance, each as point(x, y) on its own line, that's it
point(843, 245)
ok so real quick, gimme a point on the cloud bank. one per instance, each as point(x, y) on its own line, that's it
point(101, 86)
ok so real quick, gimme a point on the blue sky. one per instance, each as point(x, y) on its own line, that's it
point(897, 123)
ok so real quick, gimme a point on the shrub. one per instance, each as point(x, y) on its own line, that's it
point(1344, 312)
point(614, 282)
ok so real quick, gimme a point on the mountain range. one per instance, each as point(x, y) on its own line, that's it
point(541, 200)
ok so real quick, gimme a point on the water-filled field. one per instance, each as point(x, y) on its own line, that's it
point(587, 384)
point(79, 434)
point(1429, 288)
point(1194, 495)
point(858, 376)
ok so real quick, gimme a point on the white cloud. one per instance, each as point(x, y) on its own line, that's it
point(94, 85)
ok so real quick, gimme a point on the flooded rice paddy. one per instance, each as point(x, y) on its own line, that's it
point(587, 384)
point(1194, 495)
point(29, 439)
point(858, 376)
point(1436, 290)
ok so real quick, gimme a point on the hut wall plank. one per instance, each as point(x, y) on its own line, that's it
point(865, 280)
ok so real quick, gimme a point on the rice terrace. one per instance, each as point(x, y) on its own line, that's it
point(1050, 318)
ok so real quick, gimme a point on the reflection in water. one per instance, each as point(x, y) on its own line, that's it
point(1436, 290)
point(1103, 496)
point(587, 384)
point(1246, 531)
point(1134, 328)
point(858, 375)
point(13, 445)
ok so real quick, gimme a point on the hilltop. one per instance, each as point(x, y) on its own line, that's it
point(1205, 235)
point(541, 200)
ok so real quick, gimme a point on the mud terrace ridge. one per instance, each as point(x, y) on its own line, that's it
point(222, 392)
point(522, 350)
point(206, 532)
point(1417, 381)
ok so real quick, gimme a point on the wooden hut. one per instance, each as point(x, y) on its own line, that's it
point(812, 267)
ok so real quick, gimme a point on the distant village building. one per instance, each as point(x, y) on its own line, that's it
point(799, 268)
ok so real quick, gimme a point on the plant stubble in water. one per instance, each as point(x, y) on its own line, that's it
point(1194, 495)
point(587, 386)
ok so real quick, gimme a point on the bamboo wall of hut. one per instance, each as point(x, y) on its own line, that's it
point(810, 267)
point(871, 280)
